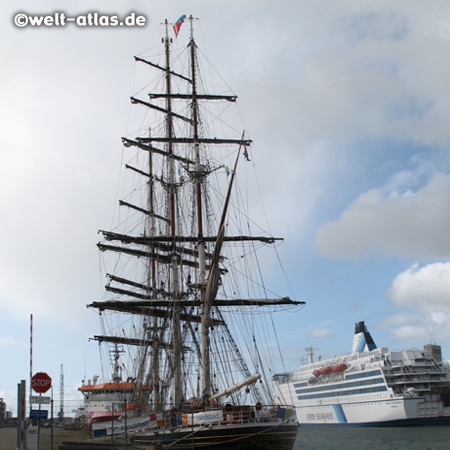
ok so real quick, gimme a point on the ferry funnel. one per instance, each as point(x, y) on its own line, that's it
point(362, 340)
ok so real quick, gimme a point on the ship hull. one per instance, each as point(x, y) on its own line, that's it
point(266, 436)
point(388, 413)
point(432, 422)
point(375, 409)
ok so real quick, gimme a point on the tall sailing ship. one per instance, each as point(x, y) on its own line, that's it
point(186, 285)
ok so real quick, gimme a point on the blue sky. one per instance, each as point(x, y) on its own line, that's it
point(347, 104)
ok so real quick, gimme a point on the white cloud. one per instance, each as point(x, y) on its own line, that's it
point(320, 333)
point(425, 293)
point(409, 333)
point(418, 328)
point(8, 341)
point(427, 289)
point(413, 224)
point(398, 320)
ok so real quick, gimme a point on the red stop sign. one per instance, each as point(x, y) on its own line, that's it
point(41, 382)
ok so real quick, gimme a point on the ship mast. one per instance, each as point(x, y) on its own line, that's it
point(205, 308)
point(176, 323)
point(152, 282)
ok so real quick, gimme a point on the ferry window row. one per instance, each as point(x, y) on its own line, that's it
point(343, 393)
point(330, 387)
point(371, 373)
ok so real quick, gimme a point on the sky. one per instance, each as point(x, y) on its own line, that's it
point(347, 104)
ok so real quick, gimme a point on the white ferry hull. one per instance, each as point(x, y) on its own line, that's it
point(383, 413)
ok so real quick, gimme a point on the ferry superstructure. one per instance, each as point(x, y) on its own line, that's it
point(370, 387)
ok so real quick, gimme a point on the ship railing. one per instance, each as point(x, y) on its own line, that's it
point(227, 415)
point(249, 414)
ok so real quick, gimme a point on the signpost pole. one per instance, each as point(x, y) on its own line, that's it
point(40, 383)
point(39, 423)
point(51, 421)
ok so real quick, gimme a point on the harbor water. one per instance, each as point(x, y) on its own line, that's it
point(408, 438)
point(415, 438)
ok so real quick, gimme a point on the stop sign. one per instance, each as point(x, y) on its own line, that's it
point(41, 382)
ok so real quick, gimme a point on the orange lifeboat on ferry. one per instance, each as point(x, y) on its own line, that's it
point(316, 373)
point(339, 368)
point(325, 370)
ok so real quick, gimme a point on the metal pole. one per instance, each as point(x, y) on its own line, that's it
point(31, 354)
point(112, 426)
point(126, 428)
point(51, 422)
point(21, 391)
point(192, 425)
point(39, 423)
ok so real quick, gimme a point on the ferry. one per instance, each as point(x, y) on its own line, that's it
point(103, 402)
point(370, 387)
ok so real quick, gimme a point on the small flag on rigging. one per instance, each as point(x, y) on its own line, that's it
point(178, 23)
point(245, 152)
